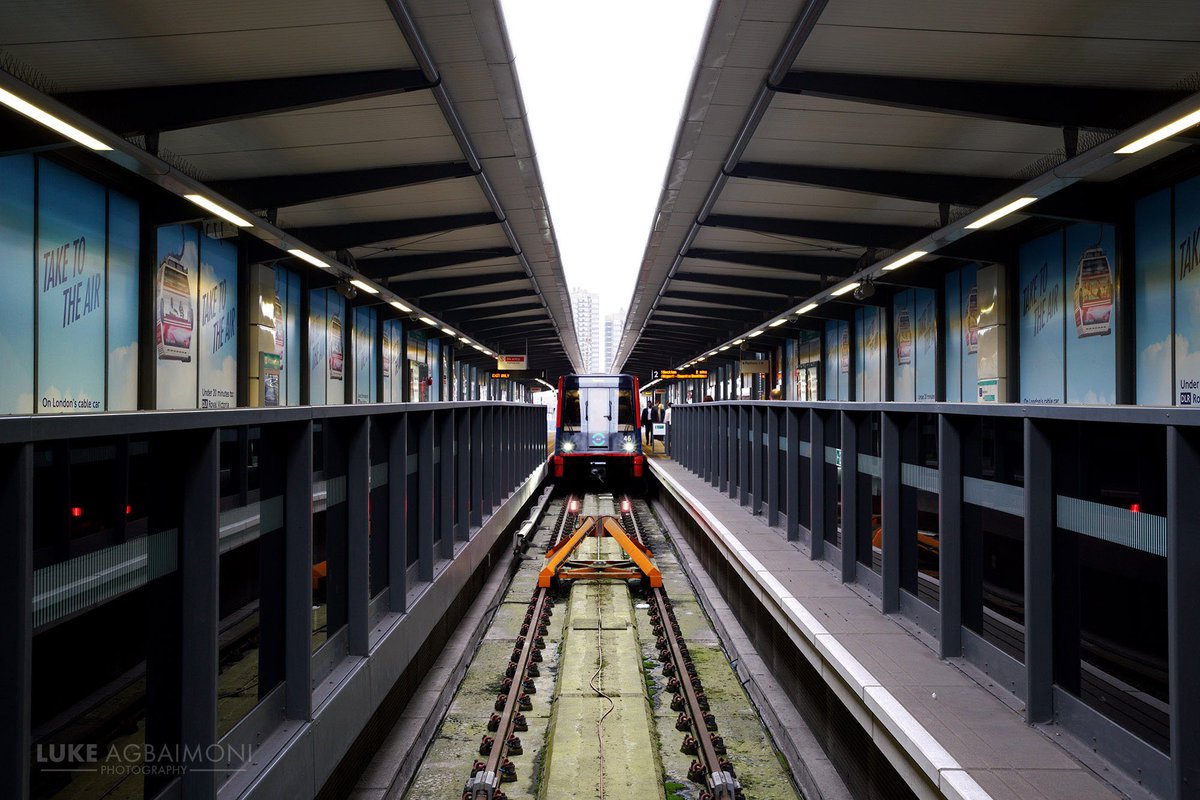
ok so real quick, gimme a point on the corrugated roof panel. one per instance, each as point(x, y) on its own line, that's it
point(461, 196)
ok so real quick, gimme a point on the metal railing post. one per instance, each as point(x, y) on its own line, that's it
point(1183, 600)
point(791, 491)
point(773, 466)
point(740, 441)
point(479, 451)
point(849, 496)
point(425, 498)
point(298, 599)
point(358, 528)
point(816, 485)
point(754, 453)
point(398, 532)
point(950, 499)
point(16, 618)
point(446, 472)
point(890, 511)
point(462, 485)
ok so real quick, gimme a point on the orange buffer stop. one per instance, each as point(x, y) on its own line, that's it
point(639, 564)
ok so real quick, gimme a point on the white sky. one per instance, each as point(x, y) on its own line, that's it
point(604, 86)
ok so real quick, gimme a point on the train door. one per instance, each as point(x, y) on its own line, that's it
point(599, 415)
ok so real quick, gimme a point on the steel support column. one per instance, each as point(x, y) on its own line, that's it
point(773, 504)
point(425, 498)
point(1039, 618)
point(890, 507)
point(478, 453)
point(358, 531)
point(462, 486)
point(849, 496)
point(398, 532)
point(298, 600)
point(1183, 609)
point(757, 485)
point(16, 618)
point(199, 613)
point(490, 492)
point(816, 485)
point(446, 472)
point(950, 499)
point(741, 441)
point(790, 501)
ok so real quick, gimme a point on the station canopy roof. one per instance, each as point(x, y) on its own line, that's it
point(823, 140)
point(388, 136)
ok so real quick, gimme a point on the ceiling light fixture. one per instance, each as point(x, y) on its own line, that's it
point(777, 323)
point(1165, 132)
point(428, 321)
point(448, 331)
point(1003, 211)
point(722, 349)
point(907, 259)
point(24, 107)
point(739, 341)
point(807, 308)
point(845, 288)
point(400, 306)
point(310, 258)
point(366, 287)
point(752, 334)
point(223, 213)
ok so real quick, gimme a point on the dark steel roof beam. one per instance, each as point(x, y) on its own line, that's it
point(280, 191)
point(462, 301)
point(677, 298)
point(921, 187)
point(777, 286)
point(1031, 104)
point(355, 234)
point(790, 262)
point(165, 108)
point(860, 234)
point(390, 266)
point(427, 286)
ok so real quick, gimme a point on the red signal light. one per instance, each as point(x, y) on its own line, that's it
point(1135, 507)
point(624, 506)
point(128, 509)
point(76, 511)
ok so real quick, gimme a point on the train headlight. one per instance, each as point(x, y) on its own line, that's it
point(568, 447)
point(628, 444)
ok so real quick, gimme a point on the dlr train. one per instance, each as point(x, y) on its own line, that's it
point(596, 432)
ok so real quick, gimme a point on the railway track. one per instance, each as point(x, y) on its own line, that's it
point(710, 767)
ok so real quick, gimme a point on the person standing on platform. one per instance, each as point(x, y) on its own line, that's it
point(667, 421)
point(646, 425)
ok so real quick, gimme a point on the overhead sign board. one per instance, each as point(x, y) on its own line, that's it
point(754, 366)
point(519, 374)
point(507, 363)
point(674, 374)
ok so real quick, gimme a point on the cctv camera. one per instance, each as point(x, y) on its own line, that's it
point(864, 290)
point(347, 290)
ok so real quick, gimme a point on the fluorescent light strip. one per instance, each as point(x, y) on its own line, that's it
point(447, 330)
point(752, 334)
point(400, 306)
point(908, 259)
point(739, 341)
point(1003, 211)
point(777, 323)
point(310, 258)
point(722, 349)
point(52, 122)
point(366, 287)
point(845, 289)
point(1165, 132)
point(225, 214)
point(807, 308)
point(428, 321)
point(464, 340)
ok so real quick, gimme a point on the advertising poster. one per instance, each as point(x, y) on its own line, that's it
point(1152, 299)
point(953, 338)
point(435, 366)
point(174, 315)
point(870, 355)
point(904, 367)
point(17, 270)
point(71, 295)
point(217, 348)
point(418, 390)
point(335, 348)
point(295, 361)
point(124, 234)
point(1091, 264)
point(393, 363)
point(1187, 293)
point(364, 355)
point(831, 360)
point(925, 346)
point(316, 347)
point(1041, 316)
point(969, 303)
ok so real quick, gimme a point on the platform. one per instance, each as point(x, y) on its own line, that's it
point(969, 742)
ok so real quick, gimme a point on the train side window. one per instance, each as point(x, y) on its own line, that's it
point(571, 411)
point(626, 421)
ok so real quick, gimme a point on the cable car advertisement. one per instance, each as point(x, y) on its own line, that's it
point(393, 361)
point(316, 347)
point(904, 371)
point(1187, 293)
point(925, 348)
point(217, 354)
point(71, 294)
point(124, 236)
point(18, 275)
point(1041, 320)
point(364, 355)
point(914, 314)
point(1091, 347)
point(174, 311)
point(1152, 299)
